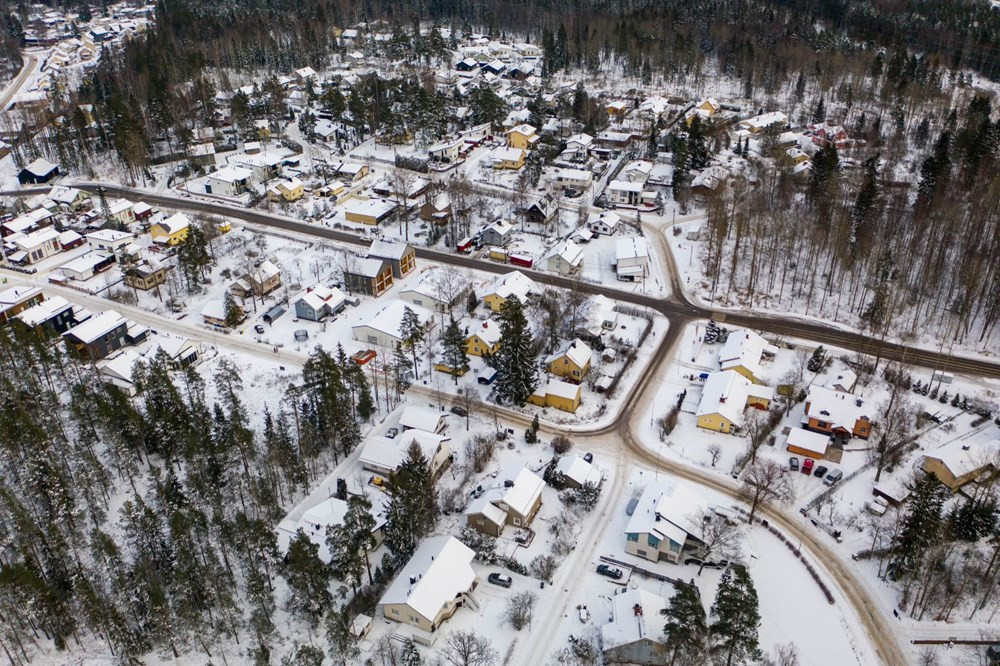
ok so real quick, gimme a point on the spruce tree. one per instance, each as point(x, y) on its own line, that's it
point(413, 333)
point(234, 311)
point(308, 579)
point(921, 527)
point(413, 509)
point(517, 375)
point(735, 618)
point(454, 352)
point(343, 648)
point(863, 213)
point(686, 629)
point(817, 360)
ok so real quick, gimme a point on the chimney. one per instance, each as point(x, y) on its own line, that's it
point(722, 399)
point(637, 609)
point(858, 402)
point(413, 580)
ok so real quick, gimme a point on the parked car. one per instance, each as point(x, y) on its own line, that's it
point(391, 433)
point(588, 457)
point(259, 328)
point(820, 471)
point(609, 571)
point(630, 508)
point(807, 465)
point(793, 464)
point(503, 580)
point(584, 613)
point(834, 476)
point(459, 411)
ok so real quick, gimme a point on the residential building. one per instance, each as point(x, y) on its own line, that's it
point(69, 198)
point(964, 461)
point(39, 171)
point(421, 418)
point(566, 258)
point(15, 300)
point(146, 274)
point(572, 362)
point(765, 121)
point(261, 281)
point(172, 230)
point(824, 134)
point(384, 329)
point(316, 520)
point(319, 302)
point(665, 523)
point(384, 456)
point(436, 209)
point(180, 352)
point(636, 172)
point(202, 154)
point(53, 315)
point(263, 166)
point(572, 179)
point(835, 413)
point(439, 289)
point(401, 256)
point(371, 277)
point(109, 240)
point(634, 634)
point(119, 371)
point(229, 181)
point(483, 514)
point(88, 265)
point(507, 158)
point(369, 211)
point(484, 340)
point(614, 140)
point(605, 223)
point(35, 246)
point(624, 193)
point(446, 151)
point(523, 137)
point(287, 190)
point(724, 398)
point(498, 233)
point(102, 334)
point(214, 314)
point(522, 497)
point(541, 210)
point(844, 382)
point(436, 581)
point(577, 472)
point(743, 352)
point(510, 284)
point(558, 394)
point(807, 443)
point(350, 173)
point(710, 180)
point(122, 211)
point(579, 144)
point(631, 259)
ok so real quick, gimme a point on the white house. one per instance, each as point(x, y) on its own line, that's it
point(35, 246)
point(439, 289)
point(566, 258)
point(631, 259)
point(230, 181)
point(572, 179)
point(624, 193)
point(384, 456)
point(384, 328)
point(664, 524)
point(577, 472)
point(446, 151)
point(605, 223)
point(415, 417)
point(330, 512)
point(634, 634)
point(109, 240)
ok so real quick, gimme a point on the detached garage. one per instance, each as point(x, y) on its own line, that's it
point(39, 171)
point(807, 443)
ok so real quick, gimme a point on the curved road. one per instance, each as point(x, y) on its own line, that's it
point(15, 85)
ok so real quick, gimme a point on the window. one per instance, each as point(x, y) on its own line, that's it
point(395, 611)
point(633, 537)
point(517, 521)
point(653, 541)
point(640, 553)
point(674, 547)
point(373, 340)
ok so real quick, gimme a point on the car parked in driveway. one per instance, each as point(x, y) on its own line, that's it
point(609, 571)
point(259, 328)
point(834, 476)
point(807, 465)
point(820, 471)
point(391, 433)
point(503, 580)
point(793, 464)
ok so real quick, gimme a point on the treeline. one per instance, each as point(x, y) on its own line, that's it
point(189, 560)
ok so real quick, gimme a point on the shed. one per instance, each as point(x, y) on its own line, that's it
point(271, 315)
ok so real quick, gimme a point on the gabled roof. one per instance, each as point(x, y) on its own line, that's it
point(439, 571)
point(668, 510)
point(231, 174)
point(576, 351)
point(381, 249)
point(41, 167)
point(569, 251)
point(963, 457)
point(579, 470)
point(97, 326)
point(525, 491)
point(421, 418)
point(635, 615)
point(840, 410)
point(486, 505)
point(514, 283)
point(368, 267)
point(743, 348)
point(488, 332)
point(390, 320)
point(725, 393)
point(42, 312)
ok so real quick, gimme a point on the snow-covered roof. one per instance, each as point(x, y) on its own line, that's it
point(377, 208)
point(839, 409)
point(765, 120)
point(41, 166)
point(439, 571)
point(507, 154)
point(669, 510)
point(963, 457)
point(808, 440)
point(576, 351)
point(320, 295)
point(607, 218)
point(232, 174)
point(84, 263)
point(64, 195)
point(631, 248)
point(525, 491)
point(710, 178)
point(421, 418)
point(583, 140)
point(109, 235)
point(578, 469)
point(486, 505)
point(390, 320)
point(514, 283)
point(488, 332)
point(726, 393)
point(625, 186)
point(121, 367)
point(314, 521)
point(388, 250)
point(743, 348)
point(35, 238)
point(368, 267)
point(655, 104)
point(844, 381)
point(635, 615)
point(559, 388)
point(42, 312)
point(214, 310)
point(97, 326)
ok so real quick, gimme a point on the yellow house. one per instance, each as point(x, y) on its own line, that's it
point(559, 394)
point(616, 109)
point(289, 190)
point(508, 158)
point(725, 397)
point(263, 129)
point(369, 211)
point(172, 230)
point(709, 105)
point(484, 341)
point(514, 283)
point(743, 352)
point(572, 362)
point(522, 137)
point(960, 462)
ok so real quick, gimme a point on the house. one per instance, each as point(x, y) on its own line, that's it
point(962, 461)
point(35, 246)
point(102, 334)
point(835, 413)
point(807, 443)
point(764, 121)
point(69, 198)
point(824, 134)
point(579, 144)
point(369, 211)
point(180, 352)
point(605, 223)
point(385, 328)
point(436, 209)
point(600, 318)
point(121, 211)
point(616, 109)
point(624, 193)
point(146, 274)
point(350, 173)
point(484, 340)
point(202, 154)
point(109, 240)
point(288, 190)
point(709, 105)
point(498, 233)
point(614, 140)
point(743, 352)
point(634, 634)
point(510, 284)
point(572, 179)
point(631, 259)
point(636, 172)
point(420, 418)
point(39, 171)
point(142, 211)
point(577, 472)
point(214, 314)
point(440, 289)
point(172, 230)
point(53, 315)
point(88, 265)
point(229, 181)
point(332, 189)
point(541, 210)
point(664, 524)
point(15, 300)
point(263, 166)
point(384, 456)
point(467, 65)
point(432, 585)
point(797, 155)
point(483, 514)
point(371, 277)
point(558, 394)
point(566, 258)
point(316, 520)
point(260, 281)
point(724, 398)
point(446, 152)
point(319, 302)
point(522, 498)
point(572, 362)
point(402, 257)
point(845, 381)
point(305, 74)
point(507, 158)
point(416, 187)
point(119, 371)
point(710, 180)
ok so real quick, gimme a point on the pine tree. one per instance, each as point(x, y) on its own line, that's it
point(697, 145)
point(531, 434)
point(234, 311)
point(735, 618)
point(863, 213)
point(413, 508)
point(819, 111)
point(686, 630)
point(921, 526)
point(402, 370)
point(308, 579)
point(343, 648)
point(360, 526)
point(711, 332)
point(517, 375)
point(454, 353)
point(409, 655)
point(817, 360)
point(413, 333)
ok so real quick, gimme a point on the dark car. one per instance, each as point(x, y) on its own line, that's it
point(793, 464)
point(588, 457)
point(459, 411)
point(503, 580)
point(820, 471)
point(609, 571)
point(259, 328)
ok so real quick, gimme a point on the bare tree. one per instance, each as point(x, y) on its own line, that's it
point(347, 262)
point(763, 484)
point(802, 356)
point(785, 654)
point(400, 183)
point(479, 450)
point(892, 430)
point(543, 566)
point(468, 648)
point(449, 285)
point(714, 452)
point(468, 399)
point(757, 424)
point(520, 609)
point(720, 537)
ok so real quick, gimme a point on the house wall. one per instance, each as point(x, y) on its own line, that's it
point(304, 311)
point(524, 520)
point(475, 346)
point(563, 367)
point(406, 615)
point(148, 281)
point(798, 450)
point(645, 652)
point(756, 401)
point(370, 336)
point(945, 476)
point(484, 524)
point(715, 422)
point(518, 140)
point(494, 302)
point(352, 216)
point(561, 403)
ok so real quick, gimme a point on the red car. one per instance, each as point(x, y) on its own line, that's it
point(807, 466)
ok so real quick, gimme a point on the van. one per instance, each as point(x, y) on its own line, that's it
point(834, 476)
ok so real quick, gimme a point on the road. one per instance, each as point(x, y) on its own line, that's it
point(617, 439)
point(15, 86)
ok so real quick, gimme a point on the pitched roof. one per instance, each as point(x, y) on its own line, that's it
point(725, 393)
point(41, 167)
point(576, 351)
point(421, 418)
point(97, 326)
point(514, 283)
point(526, 489)
point(486, 505)
point(963, 457)
point(388, 250)
point(668, 510)
point(840, 410)
point(439, 571)
point(488, 332)
point(390, 320)
point(578, 469)
point(635, 615)
point(42, 312)
point(743, 348)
